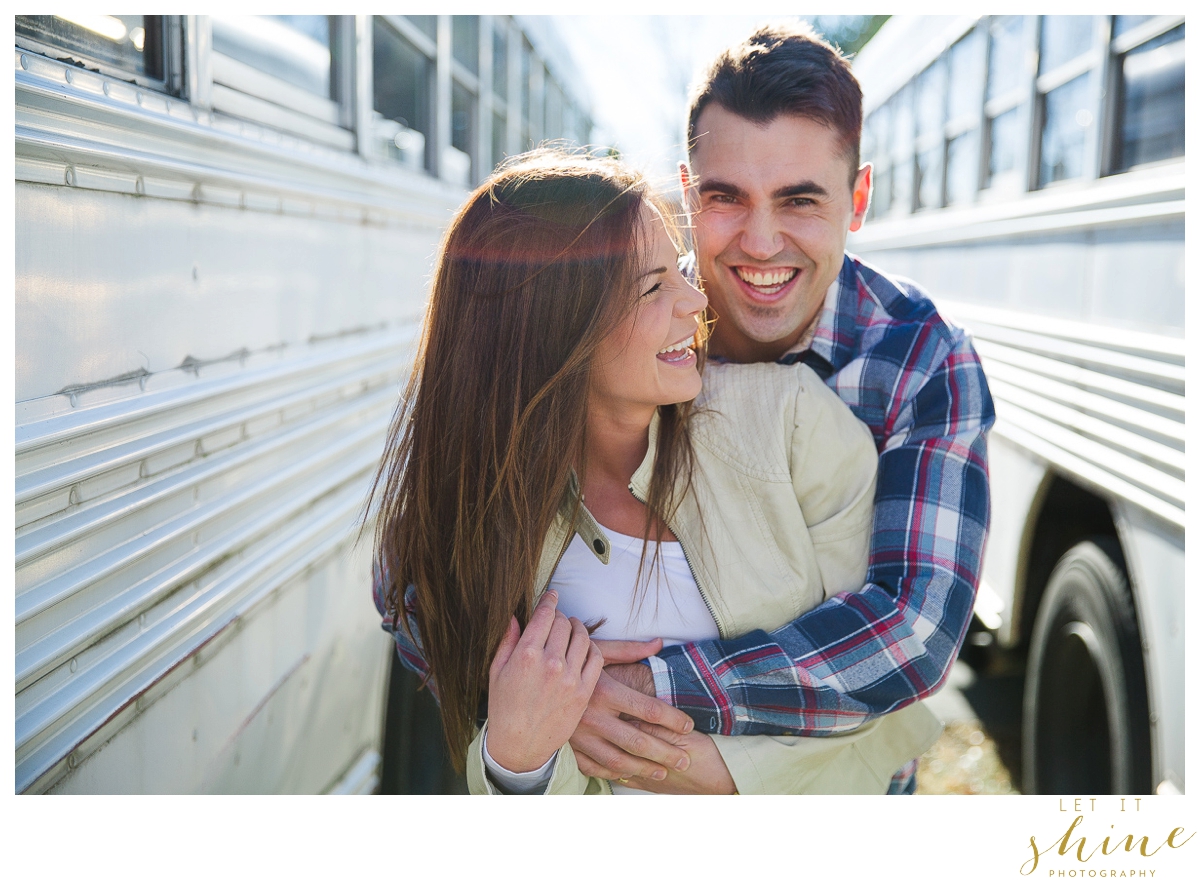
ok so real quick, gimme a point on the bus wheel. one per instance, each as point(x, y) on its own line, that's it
point(1086, 725)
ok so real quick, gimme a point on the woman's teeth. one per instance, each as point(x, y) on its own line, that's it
point(769, 281)
point(679, 346)
point(679, 353)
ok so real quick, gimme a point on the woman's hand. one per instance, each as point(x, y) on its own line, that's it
point(539, 686)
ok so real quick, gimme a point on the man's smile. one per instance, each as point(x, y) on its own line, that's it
point(766, 284)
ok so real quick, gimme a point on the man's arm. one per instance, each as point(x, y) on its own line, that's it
point(408, 648)
point(859, 655)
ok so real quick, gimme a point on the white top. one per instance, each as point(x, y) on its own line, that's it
point(667, 605)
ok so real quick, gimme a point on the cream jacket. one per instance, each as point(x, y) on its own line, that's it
point(778, 520)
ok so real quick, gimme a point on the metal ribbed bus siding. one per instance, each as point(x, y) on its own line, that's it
point(1107, 407)
point(188, 508)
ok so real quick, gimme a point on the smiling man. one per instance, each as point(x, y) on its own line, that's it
point(774, 186)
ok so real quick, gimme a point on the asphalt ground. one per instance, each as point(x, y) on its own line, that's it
point(979, 752)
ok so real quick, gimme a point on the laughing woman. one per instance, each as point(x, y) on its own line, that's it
point(555, 465)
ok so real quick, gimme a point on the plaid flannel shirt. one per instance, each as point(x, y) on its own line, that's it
point(916, 381)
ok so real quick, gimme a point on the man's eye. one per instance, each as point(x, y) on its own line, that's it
point(800, 202)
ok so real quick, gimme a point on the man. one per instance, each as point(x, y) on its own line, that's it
point(774, 186)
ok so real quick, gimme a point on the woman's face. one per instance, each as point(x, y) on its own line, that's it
point(647, 360)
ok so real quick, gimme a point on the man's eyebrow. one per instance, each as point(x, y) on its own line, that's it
point(721, 186)
point(807, 188)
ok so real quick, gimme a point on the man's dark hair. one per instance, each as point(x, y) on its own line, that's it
point(784, 69)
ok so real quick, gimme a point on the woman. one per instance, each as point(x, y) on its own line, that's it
point(552, 398)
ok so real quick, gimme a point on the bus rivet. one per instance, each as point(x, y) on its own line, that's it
point(25, 62)
point(74, 663)
point(142, 619)
point(68, 76)
point(72, 760)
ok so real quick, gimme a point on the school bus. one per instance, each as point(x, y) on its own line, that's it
point(224, 230)
point(1029, 172)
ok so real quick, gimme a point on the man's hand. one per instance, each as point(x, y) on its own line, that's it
point(707, 773)
point(606, 743)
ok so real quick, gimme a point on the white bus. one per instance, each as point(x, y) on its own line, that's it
point(224, 229)
point(1029, 172)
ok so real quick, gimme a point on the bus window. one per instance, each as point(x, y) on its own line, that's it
point(931, 119)
point(1005, 142)
point(1068, 116)
point(1067, 95)
point(462, 134)
point(279, 70)
point(526, 97)
point(499, 139)
point(1150, 106)
point(876, 147)
point(500, 106)
point(115, 44)
point(1064, 38)
point(404, 84)
point(1007, 86)
point(464, 40)
point(1123, 24)
point(962, 168)
point(426, 24)
point(292, 48)
point(902, 151)
point(553, 118)
point(460, 160)
point(500, 60)
point(963, 106)
point(966, 79)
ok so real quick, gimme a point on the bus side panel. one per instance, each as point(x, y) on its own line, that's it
point(108, 284)
point(1015, 478)
point(1155, 558)
point(274, 708)
point(1128, 277)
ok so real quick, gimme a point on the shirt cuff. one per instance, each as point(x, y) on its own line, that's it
point(679, 682)
point(530, 782)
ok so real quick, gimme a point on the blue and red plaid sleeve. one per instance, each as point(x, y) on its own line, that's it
point(859, 655)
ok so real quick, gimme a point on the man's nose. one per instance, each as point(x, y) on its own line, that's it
point(761, 238)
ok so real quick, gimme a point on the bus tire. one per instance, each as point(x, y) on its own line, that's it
point(1085, 725)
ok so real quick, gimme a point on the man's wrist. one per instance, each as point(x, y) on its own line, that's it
point(635, 676)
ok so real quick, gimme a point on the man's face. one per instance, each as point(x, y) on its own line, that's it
point(771, 206)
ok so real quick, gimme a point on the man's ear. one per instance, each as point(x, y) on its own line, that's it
point(861, 196)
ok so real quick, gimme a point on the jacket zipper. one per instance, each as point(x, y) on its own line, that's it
point(699, 585)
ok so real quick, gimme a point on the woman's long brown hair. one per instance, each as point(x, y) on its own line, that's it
point(536, 268)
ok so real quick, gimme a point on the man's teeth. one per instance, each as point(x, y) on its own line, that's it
point(770, 278)
point(679, 346)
